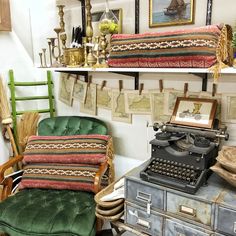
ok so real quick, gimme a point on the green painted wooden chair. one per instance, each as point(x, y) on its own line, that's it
point(53, 212)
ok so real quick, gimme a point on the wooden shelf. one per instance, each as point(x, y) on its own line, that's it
point(135, 72)
point(229, 70)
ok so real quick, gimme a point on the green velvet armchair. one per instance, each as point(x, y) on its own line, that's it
point(57, 212)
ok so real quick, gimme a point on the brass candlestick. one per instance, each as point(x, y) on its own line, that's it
point(85, 52)
point(54, 47)
point(41, 59)
point(96, 49)
point(44, 57)
point(103, 45)
point(63, 36)
point(61, 15)
point(58, 30)
point(89, 33)
point(50, 52)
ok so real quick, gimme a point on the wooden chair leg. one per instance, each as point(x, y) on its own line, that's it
point(99, 224)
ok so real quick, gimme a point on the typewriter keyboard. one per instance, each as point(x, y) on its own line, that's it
point(179, 171)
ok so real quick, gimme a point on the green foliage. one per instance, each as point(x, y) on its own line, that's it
point(107, 26)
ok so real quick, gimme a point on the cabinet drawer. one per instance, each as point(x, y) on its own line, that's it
point(138, 218)
point(226, 221)
point(144, 195)
point(190, 208)
point(179, 228)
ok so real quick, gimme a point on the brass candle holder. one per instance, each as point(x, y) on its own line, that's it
point(57, 31)
point(41, 59)
point(103, 46)
point(63, 35)
point(89, 34)
point(85, 52)
point(50, 52)
point(55, 48)
point(97, 51)
point(44, 57)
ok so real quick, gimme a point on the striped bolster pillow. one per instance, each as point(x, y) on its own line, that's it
point(196, 47)
point(89, 149)
point(59, 176)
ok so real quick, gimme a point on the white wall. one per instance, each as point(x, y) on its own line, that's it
point(131, 140)
point(12, 56)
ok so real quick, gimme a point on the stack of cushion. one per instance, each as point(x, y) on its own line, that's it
point(200, 47)
point(64, 162)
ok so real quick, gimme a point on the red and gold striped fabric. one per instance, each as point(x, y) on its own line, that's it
point(59, 176)
point(89, 149)
point(196, 47)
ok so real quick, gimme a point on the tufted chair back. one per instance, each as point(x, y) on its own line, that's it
point(38, 212)
point(71, 125)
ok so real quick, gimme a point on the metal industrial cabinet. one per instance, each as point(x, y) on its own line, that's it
point(159, 210)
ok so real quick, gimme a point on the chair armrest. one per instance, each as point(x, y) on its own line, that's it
point(7, 165)
point(98, 177)
point(7, 182)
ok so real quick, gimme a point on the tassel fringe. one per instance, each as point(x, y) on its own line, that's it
point(222, 53)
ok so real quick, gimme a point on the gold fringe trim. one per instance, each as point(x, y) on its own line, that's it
point(26, 126)
point(110, 157)
point(222, 53)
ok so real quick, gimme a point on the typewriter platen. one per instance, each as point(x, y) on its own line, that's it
point(181, 156)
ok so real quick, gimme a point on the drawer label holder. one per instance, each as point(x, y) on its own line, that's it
point(145, 197)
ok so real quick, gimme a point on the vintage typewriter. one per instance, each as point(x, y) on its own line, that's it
point(181, 156)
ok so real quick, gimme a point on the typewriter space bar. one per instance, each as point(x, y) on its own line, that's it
point(165, 180)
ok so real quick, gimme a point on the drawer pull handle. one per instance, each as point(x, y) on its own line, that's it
point(144, 223)
point(234, 227)
point(187, 210)
point(144, 197)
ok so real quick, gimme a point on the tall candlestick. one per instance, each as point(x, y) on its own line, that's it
point(89, 33)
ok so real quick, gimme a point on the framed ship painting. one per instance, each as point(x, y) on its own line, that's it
point(170, 12)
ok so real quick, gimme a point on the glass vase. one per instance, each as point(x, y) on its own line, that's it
point(108, 23)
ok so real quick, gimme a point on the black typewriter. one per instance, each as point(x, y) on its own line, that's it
point(181, 156)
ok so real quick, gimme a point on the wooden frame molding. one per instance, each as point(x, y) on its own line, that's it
point(5, 15)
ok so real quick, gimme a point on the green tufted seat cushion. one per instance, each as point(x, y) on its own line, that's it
point(48, 212)
point(40, 212)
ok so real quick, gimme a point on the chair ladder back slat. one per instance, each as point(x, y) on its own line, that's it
point(13, 98)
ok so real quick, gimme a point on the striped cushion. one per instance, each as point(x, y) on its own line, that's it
point(59, 176)
point(195, 47)
point(90, 149)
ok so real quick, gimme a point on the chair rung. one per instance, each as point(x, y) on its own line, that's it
point(39, 83)
point(31, 98)
point(39, 111)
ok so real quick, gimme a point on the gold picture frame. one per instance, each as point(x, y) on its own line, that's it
point(197, 112)
point(171, 12)
point(5, 15)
